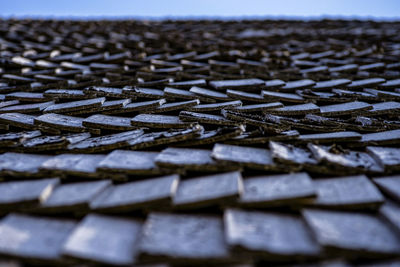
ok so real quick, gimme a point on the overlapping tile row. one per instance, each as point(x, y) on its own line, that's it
point(208, 143)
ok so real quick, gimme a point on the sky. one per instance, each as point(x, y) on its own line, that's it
point(377, 9)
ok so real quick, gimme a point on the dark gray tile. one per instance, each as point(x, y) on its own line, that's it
point(159, 121)
point(62, 122)
point(130, 162)
point(215, 106)
point(279, 96)
point(27, 108)
point(108, 122)
point(350, 192)
point(21, 164)
point(258, 107)
point(13, 139)
point(83, 165)
point(147, 194)
point(381, 138)
point(344, 109)
point(218, 189)
point(301, 109)
point(73, 197)
point(75, 105)
point(19, 120)
point(388, 157)
point(353, 234)
point(289, 154)
point(390, 211)
point(209, 94)
point(184, 238)
point(36, 239)
point(337, 83)
point(250, 157)
point(389, 185)
point(294, 85)
point(104, 240)
point(277, 190)
point(238, 84)
point(25, 194)
point(340, 136)
point(188, 116)
point(287, 235)
point(370, 82)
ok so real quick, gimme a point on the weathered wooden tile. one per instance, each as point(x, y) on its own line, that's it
point(381, 138)
point(245, 96)
point(188, 159)
point(295, 85)
point(341, 136)
point(75, 105)
point(353, 234)
point(258, 107)
point(65, 94)
point(383, 108)
point(51, 143)
point(83, 165)
point(344, 109)
point(73, 197)
point(388, 157)
point(105, 142)
point(325, 85)
point(144, 92)
point(215, 106)
point(214, 136)
point(25, 194)
point(370, 82)
point(188, 84)
point(130, 162)
point(35, 239)
point(104, 240)
point(350, 192)
point(279, 96)
point(108, 122)
point(289, 154)
point(146, 194)
point(244, 84)
point(390, 211)
point(277, 190)
point(218, 189)
point(27, 108)
point(137, 107)
point(389, 185)
point(62, 122)
point(188, 116)
point(344, 162)
point(27, 97)
point(103, 91)
point(159, 121)
point(19, 120)
point(112, 106)
point(274, 83)
point(12, 139)
point(184, 238)
point(300, 109)
point(185, 94)
point(21, 164)
point(287, 235)
point(9, 103)
point(153, 139)
point(166, 107)
point(209, 94)
point(395, 83)
point(250, 157)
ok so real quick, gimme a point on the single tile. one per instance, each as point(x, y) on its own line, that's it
point(167, 107)
point(258, 107)
point(62, 122)
point(215, 106)
point(130, 162)
point(352, 192)
point(277, 190)
point(245, 96)
point(12, 139)
point(345, 162)
point(390, 211)
point(279, 96)
point(27, 97)
point(27, 108)
point(104, 240)
point(353, 234)
point(188, 159)
point(184, 238)
point(185, 94)
point(105, 142)
point(73, 197)
point(144, 92)
point(370, 82)
point(146, 194)
point(75, 105)
point(159, 121)
point(238, 84)
point(294, 85)
point(25, 194)
point(53, 142)
point(336, 83)
point(274, 83)
point(108, 122)
point(388, 157)
point(21, 164)
point(381, 138)
point(138, 107)
point(188, 84)
point(188, 116)
point(275, 236)
point(344, 109)
point(35, 239)
point(341, 136)
point(289, 154)
point(209, 94)
point(218, 189)
point(103, 91)
point(389, 185)
point(83, 165)
point(301, 109)
point(383, 108)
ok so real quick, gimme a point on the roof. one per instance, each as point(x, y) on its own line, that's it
point(207, 142)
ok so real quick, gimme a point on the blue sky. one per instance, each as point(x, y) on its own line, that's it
point(180, 8)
